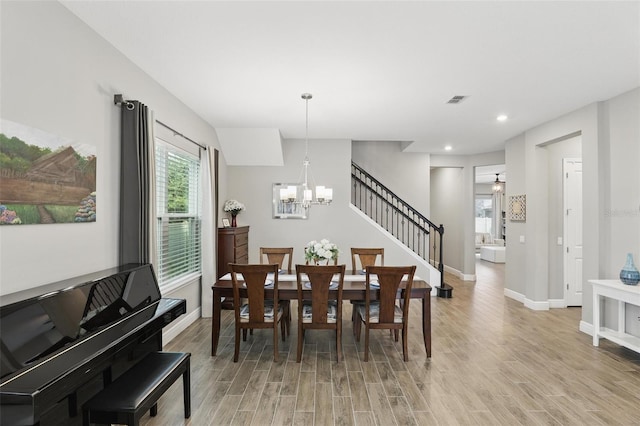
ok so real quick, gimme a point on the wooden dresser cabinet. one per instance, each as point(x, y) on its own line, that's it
point(233, 247)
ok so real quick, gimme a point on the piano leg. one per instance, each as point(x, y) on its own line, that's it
point(73, 397)
point(73, 404)
point(159, 340)
point(106, 376)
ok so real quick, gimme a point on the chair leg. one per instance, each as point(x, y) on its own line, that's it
point(275, 342)
point(353, 318)
point(366, 343)
point(289, 319)
point(395, 332)
point(236, 353)
point(339, 342)
point(283, 327)
point(405, 349)
point(244, 334)
point(300, 341)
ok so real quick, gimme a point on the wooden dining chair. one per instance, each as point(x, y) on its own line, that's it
point(365, 256)
point(277, 255)
point(257, 312)
point(318, 311)
point(385, 313)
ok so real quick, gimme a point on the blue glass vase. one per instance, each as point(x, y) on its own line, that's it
point(629, 274)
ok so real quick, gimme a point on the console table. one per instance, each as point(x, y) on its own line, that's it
point(614, 289)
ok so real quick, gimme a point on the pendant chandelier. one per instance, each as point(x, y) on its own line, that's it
point(303, 193)
point(497, 185)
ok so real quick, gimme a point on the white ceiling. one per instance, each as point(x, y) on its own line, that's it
point(380, 70)
point(487, 174)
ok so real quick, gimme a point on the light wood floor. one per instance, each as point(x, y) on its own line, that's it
point(494, 362)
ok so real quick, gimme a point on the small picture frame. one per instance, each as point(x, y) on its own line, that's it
point(518, 208)
point(225, 223)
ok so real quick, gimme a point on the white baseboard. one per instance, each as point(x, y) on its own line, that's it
point(531, 304)
point(586, 328)
point(459, 274)
point(514, 295)
point(557, 303)
point(535, 305)
point(168, 334)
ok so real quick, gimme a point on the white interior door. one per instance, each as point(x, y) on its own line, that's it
point(572, 189)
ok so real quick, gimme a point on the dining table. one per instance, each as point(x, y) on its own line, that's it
point(353, 289)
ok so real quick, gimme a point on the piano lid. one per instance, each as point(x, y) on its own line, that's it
point(32, 329)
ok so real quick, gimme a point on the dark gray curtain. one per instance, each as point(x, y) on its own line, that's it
point(134, 183)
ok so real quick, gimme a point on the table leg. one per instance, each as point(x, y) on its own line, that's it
point(621, 317)
point(215, 321)
point(596, 317)
point(426, 322)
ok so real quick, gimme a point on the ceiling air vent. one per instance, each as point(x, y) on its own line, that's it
point(456, 99)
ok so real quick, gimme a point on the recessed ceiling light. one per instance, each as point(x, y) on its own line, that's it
point(448, 148)
point(502, 117)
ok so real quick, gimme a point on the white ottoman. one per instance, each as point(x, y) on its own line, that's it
point(493, 254)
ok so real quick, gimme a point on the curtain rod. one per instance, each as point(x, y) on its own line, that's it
point(175, 132)
point(119, 100)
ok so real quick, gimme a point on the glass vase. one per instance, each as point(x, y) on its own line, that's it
point(629, 273)
point(233, 221)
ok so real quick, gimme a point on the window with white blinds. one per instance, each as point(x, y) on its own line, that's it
point(179, 215)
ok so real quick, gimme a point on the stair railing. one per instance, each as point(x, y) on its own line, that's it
point(401, 220)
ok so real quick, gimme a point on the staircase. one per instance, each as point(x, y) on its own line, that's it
point(401, 220)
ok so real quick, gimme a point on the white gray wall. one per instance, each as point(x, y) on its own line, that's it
point(405, 174)
point(515, 261)
point(447, 201)
point(609, 132)
point(60, 76)
point(464, 241)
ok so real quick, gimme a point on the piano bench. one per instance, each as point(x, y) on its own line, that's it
point(138, 390)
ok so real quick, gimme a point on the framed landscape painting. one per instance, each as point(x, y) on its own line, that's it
point(45, 178)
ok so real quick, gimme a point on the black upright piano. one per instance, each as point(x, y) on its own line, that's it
point(55, 344)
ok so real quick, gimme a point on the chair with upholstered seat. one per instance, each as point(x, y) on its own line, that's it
point(257, 313)
point(318, 311)
point(365, 256)
point(278, 255)
point(385, 313)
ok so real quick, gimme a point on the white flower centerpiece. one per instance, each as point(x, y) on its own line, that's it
point(233, 207)
point(321, 252)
